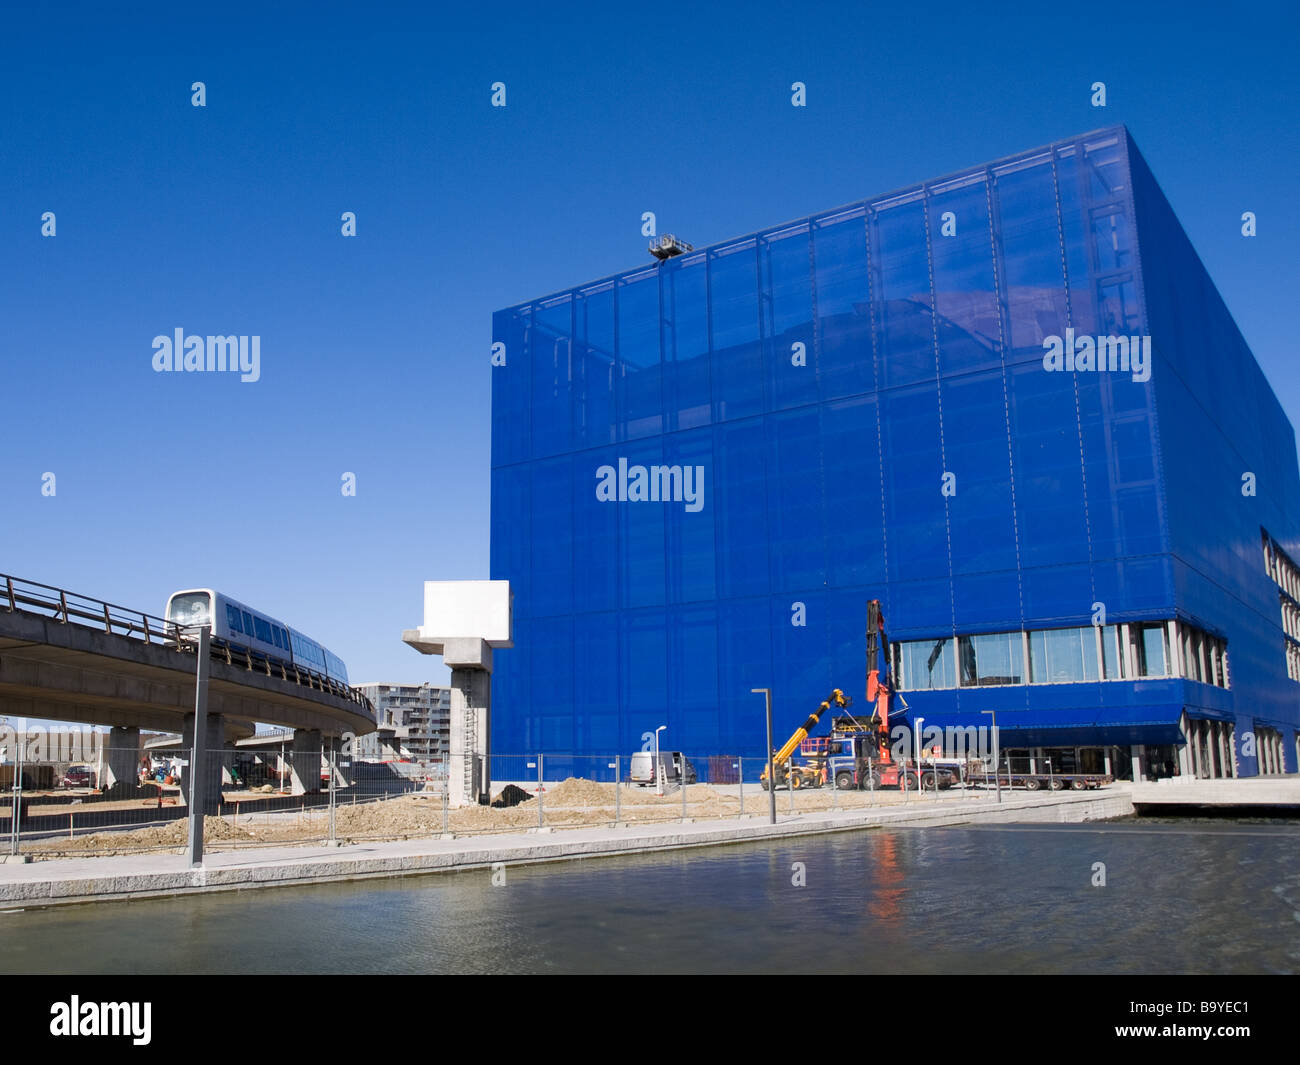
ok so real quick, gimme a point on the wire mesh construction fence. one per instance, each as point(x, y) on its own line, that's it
point(271, 794)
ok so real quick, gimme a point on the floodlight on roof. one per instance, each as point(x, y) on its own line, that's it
point(667, 246)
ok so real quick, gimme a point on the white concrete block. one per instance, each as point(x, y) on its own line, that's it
point(468, 610)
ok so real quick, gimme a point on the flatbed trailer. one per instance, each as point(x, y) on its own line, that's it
point(1040, 781)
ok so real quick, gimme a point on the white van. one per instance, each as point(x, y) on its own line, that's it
point(643, 768)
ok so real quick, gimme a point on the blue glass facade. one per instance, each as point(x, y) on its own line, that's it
point(702, 469)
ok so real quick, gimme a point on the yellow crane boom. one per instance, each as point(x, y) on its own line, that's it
point(837, 698)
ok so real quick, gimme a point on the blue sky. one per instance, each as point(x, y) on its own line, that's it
point(374, 349)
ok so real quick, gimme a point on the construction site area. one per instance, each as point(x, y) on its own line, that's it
point(568, 804)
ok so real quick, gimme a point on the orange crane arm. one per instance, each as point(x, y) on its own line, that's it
point(877, 692)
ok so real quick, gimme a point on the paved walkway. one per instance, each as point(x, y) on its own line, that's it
point(68, 880)
point(1243, 791)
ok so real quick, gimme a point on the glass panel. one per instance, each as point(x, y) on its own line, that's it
point(510, 415)
point(1088, 639)
point(739, 503)
point(1119, 310)
point(1112, 240)
point(1038, 671)
point(854, 526)
point(639, 380)
point(737, 360)
point(1072, 190)
point(928, 664)
point(787, 318)
point(965, 289)
point(1033, 281)
point(1113, 661)
point(1104, 165)
point(642, 530)
point(844, 355)
point(1153, 650)
point(686, 342)
point(691, 545)
point(595, 540)
point(905, 324)
point(994, 659)
point(1050, 510)
point(795, 537)
point(1063, 656)
point(552, 553)
point(982, 526)
point(550, 351)
point(913, 471)
point(593, 405)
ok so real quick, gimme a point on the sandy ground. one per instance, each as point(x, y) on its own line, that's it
point(571, 803)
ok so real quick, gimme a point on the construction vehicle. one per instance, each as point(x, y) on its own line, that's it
point(809, 774)
point(872, 764)
point(857, 753)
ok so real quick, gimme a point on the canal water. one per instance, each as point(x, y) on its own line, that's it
point(1177, 897)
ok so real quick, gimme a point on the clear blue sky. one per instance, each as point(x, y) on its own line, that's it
point(374, 356)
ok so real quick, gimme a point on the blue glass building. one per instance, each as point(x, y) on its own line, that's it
point(703, 468)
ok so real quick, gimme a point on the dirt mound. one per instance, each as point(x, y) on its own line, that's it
point(578, 792)
point(156, 837)
point(510, 796)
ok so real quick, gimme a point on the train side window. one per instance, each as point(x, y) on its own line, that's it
point(248, 623)
point(263, 629)
point(232, 619)
point(275, 635)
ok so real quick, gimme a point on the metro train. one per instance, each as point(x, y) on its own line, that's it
point(251, 630)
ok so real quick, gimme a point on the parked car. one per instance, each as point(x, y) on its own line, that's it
point(643, 771)
point(79, 776)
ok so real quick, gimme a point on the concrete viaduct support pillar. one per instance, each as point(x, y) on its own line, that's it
point(469, 777)
point(209, 789)
point(121, 760)
point(305, 761)
point(463, 622)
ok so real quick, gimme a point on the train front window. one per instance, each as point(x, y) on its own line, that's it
point(194, 608)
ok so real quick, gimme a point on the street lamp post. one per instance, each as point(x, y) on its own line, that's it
point(997, 770)
point(659, 766)
point(198, 756)
point(771, 779)
point(920, 769)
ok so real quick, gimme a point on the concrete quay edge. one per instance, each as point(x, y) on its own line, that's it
point(80, 880)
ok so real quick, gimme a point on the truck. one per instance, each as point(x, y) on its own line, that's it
point(851, 757)
point(856, 754)
point(677, 768)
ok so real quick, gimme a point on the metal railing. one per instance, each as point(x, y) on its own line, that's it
point(58, 604)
